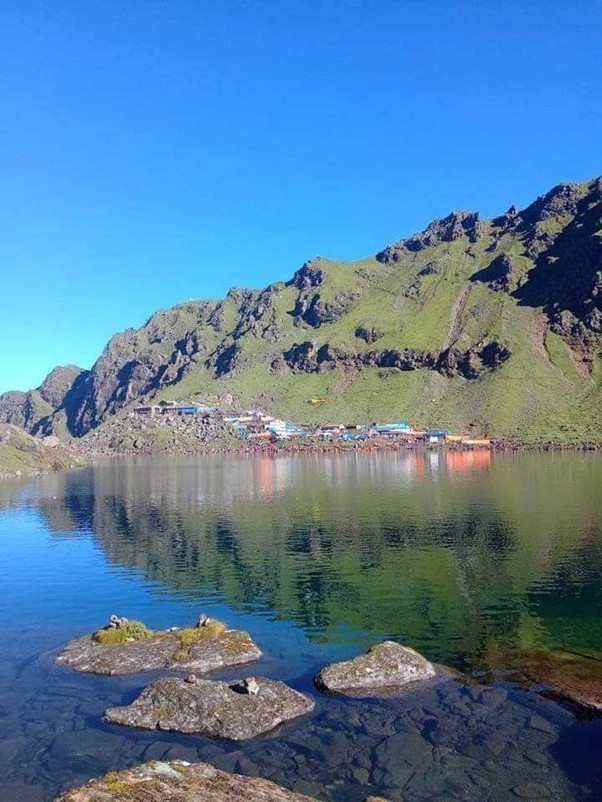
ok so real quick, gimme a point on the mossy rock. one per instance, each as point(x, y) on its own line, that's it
point(125, 633)
point(133, 648)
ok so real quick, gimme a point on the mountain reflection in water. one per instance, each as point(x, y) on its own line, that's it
point(452, 552)
point(457, 554)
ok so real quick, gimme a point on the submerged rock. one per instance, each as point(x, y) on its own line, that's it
point(576, 677)
point(386, 667)
point(235, 711)
point(207, 647)
point(180, 781)
point(376, 799)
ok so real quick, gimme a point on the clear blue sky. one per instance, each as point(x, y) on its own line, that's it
point(157, 150)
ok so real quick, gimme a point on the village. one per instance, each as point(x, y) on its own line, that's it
point(256, 425)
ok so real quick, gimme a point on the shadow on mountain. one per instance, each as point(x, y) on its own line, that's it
point(567, 278)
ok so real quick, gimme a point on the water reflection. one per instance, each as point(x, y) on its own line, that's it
point(317, 556)
point(453, 552)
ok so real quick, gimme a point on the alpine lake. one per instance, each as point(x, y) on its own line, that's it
point(461, 555)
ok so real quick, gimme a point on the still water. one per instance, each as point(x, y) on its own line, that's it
point(318, 557)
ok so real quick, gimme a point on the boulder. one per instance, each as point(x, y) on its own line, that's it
point(202, 649)
point(376, 799)
point(180, 781)
point(576, 677)
point(385, 668)
point(234, 711)
point(369, 334)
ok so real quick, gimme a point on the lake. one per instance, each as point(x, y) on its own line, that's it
point(457, 554)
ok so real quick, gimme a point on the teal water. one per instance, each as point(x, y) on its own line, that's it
point(459, 555)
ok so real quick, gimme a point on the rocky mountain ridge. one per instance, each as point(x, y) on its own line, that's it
point(495, 324)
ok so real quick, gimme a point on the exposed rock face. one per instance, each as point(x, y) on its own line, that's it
point(455, 226)
point(571, 676)
point(38, 410)
point(407, 359)
point(312, 310)
point(58, 382)
point(179, 781)
point(213, 709)
point(309, 275)
point(256, 314)
point(138, 362)
point(306, 357)
point(567, 277)
point(161, 651)
point(389, 666)
point(13, 408)
point(561, 200)
point(499, 275)
point(430, 269)
point(368, 335)
point(474, 362)
point(226, 360)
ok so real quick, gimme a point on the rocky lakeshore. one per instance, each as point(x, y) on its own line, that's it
point(101, 447)
point(232, 711)
point(407, 737)
point(127, 649)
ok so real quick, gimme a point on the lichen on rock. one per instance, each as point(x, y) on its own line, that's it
point(234, 711)
point(131, 648)
point(180, 781)
point(386, 667)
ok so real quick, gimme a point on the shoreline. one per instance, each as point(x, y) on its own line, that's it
point(85, 458)
point(320, 447)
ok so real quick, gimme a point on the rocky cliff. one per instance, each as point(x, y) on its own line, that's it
point(492, 324)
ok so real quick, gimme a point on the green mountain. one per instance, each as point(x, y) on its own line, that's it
point(22, 454)
point(489, 325)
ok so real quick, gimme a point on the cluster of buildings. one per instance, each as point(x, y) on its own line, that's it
point(257, 425)
point(169, 408)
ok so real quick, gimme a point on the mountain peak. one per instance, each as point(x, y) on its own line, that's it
point(456, 225)
point(308, 275)
point(561, 200)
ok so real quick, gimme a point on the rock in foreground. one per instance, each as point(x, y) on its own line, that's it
point(386, 667)
point(179, 781)
point(203, 648)
point(234, 711)
point(576, 677)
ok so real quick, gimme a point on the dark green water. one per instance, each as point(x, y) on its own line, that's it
point(456, 555)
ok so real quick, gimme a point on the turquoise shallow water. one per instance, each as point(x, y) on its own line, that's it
point(458, 555)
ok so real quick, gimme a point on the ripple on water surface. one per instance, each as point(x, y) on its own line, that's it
point(318, 557)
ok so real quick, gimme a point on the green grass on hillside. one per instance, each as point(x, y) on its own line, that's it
point(22, 454)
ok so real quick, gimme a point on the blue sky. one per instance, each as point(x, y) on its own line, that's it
point(155, 151)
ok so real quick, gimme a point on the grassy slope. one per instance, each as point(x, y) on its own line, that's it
point(537, 395)
point(21, 453)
